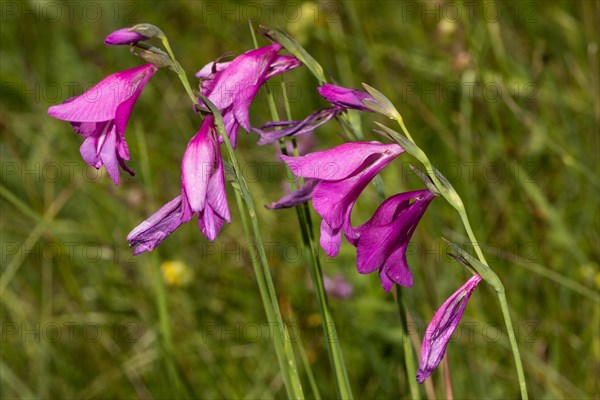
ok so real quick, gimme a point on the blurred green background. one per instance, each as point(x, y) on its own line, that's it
point(503, 96)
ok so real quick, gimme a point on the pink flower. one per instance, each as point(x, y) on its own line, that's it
point(202, 193)
point(101, 114)
point(232, 86)
point(342, 173)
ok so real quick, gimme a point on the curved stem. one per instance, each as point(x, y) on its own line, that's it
point(281, 338)
point(448, 191)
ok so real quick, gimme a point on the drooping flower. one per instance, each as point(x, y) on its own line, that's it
point(342, 173)
point(101, 114)
point(233, 85)
point(203, 181)
point(442, 326)
point(342, 98)
point(150, 233)
point(124, 36)
point(202, 193)
point(382, 241)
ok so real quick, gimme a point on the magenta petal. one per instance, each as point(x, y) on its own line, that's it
point(217, 196)
point(123, 36)
point(242, 77)
point(100, 103)
point(441, 327)
point(197, 165)
point(372, 249)
point(124, 109)
point(386, 282)
point(210, 223)
point(89, 152)
point(331, 239)
point(333, 200)
point(396, 267)
point(108, 154)
point(340, 161)
point(282, 64)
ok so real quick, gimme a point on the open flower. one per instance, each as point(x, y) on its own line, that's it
point(342, 98)
point(382, 241)
point(101, 114)
point(442, 326)
point(202, 193)
point(342, 173)
point(232, 86)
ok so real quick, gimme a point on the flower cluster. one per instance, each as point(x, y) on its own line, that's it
point(334, 179)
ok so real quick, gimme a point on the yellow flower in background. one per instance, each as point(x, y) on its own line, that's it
point(300, 26)
point(176, 273)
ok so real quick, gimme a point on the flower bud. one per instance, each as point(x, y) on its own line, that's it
point(124, 36)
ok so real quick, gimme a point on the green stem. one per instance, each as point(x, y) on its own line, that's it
point(303, 214)
point(179, 69)
point(283, 347)
point(454, 199)
point(501, 293)
point(409, 358)
point(165, 326)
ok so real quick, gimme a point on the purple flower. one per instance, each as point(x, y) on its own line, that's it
point(101, 115)
point(232, 86)
point(202, 193)
point(273, 131)
point(124, 36)
point(442, 326)
point(344, 97)
point(342, 173)
point(337, 286)
point(150, 233)
point(382, 241)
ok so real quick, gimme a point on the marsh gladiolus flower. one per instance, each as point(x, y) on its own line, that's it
point(382, 241)
point(150, 233)
point(124, 36)
point(342, 98)
point(101, 114)
point(203, 181)
point(342, 173)
point(232, 86)
point(442, 326)
point(202, 193)
point(345, 97)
